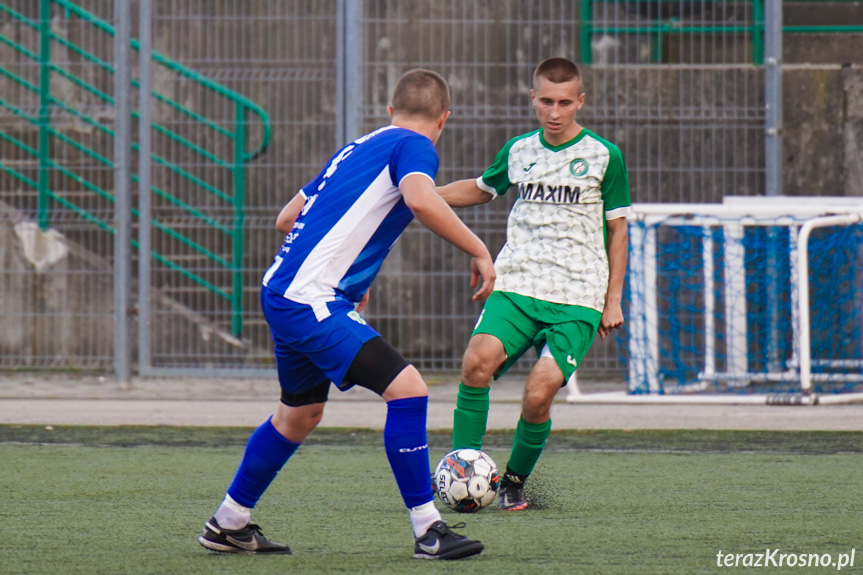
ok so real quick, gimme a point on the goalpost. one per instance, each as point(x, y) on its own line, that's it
point(755, 300)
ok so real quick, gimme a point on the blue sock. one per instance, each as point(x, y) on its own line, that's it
point(407, 448)
point(266, 453)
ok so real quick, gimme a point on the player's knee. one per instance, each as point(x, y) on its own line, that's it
point(408, 383)
point(302, 426)
point(314, 417)
point(308, 422)
point(476, 370)
point(295, 423)
point(535, 414)
point(536, 405)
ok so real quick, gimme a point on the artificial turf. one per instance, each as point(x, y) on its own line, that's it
point(133, 499)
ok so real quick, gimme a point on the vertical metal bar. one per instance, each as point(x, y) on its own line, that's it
point(803, 307)
point(773, 161)
point(144, 205)
point(735, 301)
point(44, 111)
point(637, 329)
point(794, 262)
point(353, 70)
point(651, 313)
point(239, 219)
point(707, 256)
point(122, 203)
point(341, 84)
point(644, 359)
point(773, 98)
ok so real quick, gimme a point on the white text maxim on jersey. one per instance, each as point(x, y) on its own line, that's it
point(555, 194)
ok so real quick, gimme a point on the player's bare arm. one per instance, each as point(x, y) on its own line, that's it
point(618, 245)
point(464, 193)
point(434, 213)
point(363, 302)
point(289, 214)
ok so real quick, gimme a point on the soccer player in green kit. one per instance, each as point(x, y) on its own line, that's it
point(560, 274)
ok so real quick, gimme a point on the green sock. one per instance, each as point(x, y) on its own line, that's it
point(527, 446)
point(470, 417)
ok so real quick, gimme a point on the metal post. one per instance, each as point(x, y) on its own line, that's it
point(793, 264)
point(144, 207)
point(708, 258)
point(637, 331)
point(349, 44)
point(44, 111)
point(644, 360)
point(340, 73)
point(651, 311)
point(773, 97)
point(239, 219)
point(736, 326)
point(773, 161)
point(122, 203)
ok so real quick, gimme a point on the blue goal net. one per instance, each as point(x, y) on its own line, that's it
point(714, 305)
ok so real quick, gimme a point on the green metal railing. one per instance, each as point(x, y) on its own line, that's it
point(659, 29)
point(243, 107)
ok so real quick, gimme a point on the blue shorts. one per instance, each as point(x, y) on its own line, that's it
point(310, 352)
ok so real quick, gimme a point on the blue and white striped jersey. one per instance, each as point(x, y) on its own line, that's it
point(353, 214)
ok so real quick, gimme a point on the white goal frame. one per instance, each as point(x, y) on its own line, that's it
point(801, 215)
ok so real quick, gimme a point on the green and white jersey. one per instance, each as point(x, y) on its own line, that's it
point(555, 237)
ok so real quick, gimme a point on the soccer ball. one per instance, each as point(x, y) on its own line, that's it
point(466, 480)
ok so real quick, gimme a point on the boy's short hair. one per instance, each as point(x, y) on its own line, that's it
point(421, 93)
point(557, 71)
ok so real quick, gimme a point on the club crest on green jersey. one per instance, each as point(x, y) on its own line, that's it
point(578, 167)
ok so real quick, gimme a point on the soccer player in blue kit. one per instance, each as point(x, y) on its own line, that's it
point(339, 228)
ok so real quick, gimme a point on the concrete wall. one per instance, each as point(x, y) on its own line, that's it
point(56, 308)
point(822, 138)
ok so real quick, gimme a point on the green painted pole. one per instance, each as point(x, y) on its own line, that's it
point(823, 29)
point(43, 207)
point(657, 45)
point(586, 31)
point(239, 219)
point(758, 32)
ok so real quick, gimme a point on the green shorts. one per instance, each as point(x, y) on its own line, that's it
point(521, 322)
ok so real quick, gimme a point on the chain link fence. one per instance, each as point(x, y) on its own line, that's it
point(686, 109)
point(56, 177)
point(248, 99)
